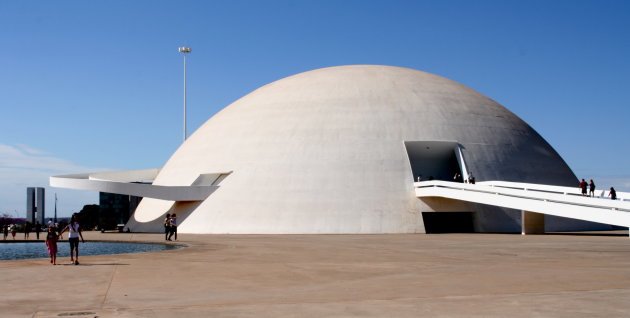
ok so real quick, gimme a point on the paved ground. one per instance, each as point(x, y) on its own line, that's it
point(448, 275)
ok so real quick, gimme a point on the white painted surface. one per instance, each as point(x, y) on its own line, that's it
point(323, 152)
point(121, 183)
point(622, 196)
point(545, 199)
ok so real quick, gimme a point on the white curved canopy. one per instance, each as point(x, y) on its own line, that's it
point(133, 182)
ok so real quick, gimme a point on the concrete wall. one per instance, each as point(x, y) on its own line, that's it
point(323, 152)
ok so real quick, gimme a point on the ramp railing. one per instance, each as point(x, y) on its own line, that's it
point(553, 200)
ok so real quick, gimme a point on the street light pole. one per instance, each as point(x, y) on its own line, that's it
point(55, 207)
point(185, 50)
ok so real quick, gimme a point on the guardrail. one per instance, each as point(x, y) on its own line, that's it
point(553, 200)
point(532, 191)
point(603, 194)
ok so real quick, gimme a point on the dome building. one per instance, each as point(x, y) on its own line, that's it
point(337, 150)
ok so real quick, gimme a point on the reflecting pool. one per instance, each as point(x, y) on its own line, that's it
point(12, 251)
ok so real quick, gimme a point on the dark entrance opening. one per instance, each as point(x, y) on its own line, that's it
point(448, 222)
point(437, 160)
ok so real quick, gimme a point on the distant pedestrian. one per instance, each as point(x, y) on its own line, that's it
point(173, 227)
point(38, 228)
point(612, 194)
point(167, 226)
point(583, 187)
point(13, 231)
point(27, 230)
point(74, 232)
point(51, 244)
point(5, 231)
point(591, 189)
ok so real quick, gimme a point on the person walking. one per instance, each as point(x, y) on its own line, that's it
point(13, 231)
point(5, 231)
point(612, 194)
point(167, 226)
point(173, 227)
point(51, 244)
point(591, 189)
point(27, 230)
point(583, 187)
point(74, 232)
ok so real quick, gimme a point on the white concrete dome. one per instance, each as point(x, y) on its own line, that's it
point(332, 151)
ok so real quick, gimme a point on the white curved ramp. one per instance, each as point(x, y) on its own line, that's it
point(544, 199)
point(136, 183)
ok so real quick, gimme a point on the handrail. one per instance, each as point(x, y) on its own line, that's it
point(540, 192)
point(622, 196)
point(546, 202)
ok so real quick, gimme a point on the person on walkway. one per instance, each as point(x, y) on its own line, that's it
point(583, 187)
point(173, 227)
point(27, 230)
point(51, 244)
point(167, 226)
point(13, 229)
point(38, 228)
point(612, 194)
point(74, 232)
point(591, 189)
point(5, 231)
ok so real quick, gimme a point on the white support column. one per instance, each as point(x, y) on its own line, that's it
point(532, 223)
point(460, 161)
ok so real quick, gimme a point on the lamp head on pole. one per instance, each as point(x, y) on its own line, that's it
point(185, 50)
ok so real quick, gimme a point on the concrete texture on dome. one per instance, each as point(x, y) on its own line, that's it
point(332, 151)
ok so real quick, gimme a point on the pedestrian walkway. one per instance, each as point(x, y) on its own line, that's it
point(446, 275)
point(536, 198)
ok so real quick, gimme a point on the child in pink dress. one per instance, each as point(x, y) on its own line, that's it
point(51, 243)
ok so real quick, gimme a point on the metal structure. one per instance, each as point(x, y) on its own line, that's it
point(185, 50)
point(55, 207)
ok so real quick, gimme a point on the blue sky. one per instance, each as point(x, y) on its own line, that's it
point(97, 85)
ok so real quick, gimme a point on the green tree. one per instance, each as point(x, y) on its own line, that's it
point(88, 216)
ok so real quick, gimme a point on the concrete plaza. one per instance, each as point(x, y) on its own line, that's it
point(446, 275)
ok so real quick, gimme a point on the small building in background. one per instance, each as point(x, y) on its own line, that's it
point(35, 205)
point(115, 209)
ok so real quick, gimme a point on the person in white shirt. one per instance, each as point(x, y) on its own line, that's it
point(74, 230)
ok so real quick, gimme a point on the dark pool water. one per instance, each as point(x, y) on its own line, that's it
point(12, 251)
